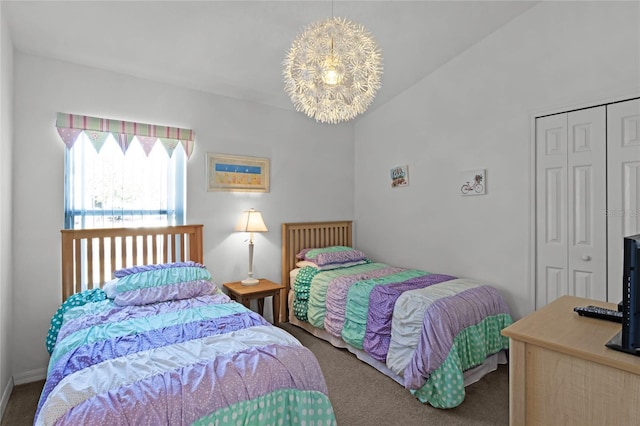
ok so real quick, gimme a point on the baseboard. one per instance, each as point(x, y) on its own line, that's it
point(30, 376)
point(5, 396)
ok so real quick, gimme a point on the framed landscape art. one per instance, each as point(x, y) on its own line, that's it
point(237, 173)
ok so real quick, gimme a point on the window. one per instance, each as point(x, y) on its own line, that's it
point(114, 189)
point(123, 174)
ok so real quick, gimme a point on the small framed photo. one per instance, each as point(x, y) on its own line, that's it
point(473, 182)
point(399, 176)
point(237, 173)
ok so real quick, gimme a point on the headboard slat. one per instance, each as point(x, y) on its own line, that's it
point(123, 252)
point(134, 252)
point(165, 253)
point(78, 260)
point(112, 246)
point(101, 243)
point(88, 259)
point(154, 249)
point(85, 264)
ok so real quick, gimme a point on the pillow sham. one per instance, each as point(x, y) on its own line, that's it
point(302, 253)
point(303, 263)
point(143, 285)
point(332, 255)
point(110, 288)
point(143, 268)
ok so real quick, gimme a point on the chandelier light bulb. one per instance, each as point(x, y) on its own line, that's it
point(330, 74)
point(332, 70)
point(330, 77)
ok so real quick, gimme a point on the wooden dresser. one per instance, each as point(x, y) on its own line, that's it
point(561, 373)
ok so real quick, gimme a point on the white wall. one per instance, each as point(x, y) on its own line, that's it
point(310, 165)
point(6, 282)
point(476, 112)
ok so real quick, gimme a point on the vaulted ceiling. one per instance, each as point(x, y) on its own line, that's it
point(236, 48)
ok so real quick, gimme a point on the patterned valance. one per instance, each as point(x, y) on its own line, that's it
point(98, 130)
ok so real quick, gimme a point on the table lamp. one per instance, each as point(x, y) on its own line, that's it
point(251, 221)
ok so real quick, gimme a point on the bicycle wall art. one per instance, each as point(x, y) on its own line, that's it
point(473, 182)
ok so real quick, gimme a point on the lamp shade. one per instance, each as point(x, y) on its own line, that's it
point(251, 221)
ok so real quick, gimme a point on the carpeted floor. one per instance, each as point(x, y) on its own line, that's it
point(22, 404)
point(360, 395)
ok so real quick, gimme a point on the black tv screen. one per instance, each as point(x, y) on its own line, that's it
point(628, 340)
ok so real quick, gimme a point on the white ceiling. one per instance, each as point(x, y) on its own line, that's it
point(236, 48)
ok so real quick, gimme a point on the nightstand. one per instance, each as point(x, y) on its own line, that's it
point(265, 288)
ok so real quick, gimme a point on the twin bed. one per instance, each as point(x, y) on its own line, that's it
point(161, 344)
point(432, 333)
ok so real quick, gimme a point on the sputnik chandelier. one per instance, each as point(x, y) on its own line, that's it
point(332, 71)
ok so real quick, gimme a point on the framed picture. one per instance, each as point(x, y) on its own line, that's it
point(399, 176)
point(237, 173)
point(473, 182)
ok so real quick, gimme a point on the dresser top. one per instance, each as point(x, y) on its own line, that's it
point(557, 327)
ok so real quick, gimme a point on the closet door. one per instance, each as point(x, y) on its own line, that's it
point(551, 208)
point(570, 201)
point(623, 185)
point(587, 201)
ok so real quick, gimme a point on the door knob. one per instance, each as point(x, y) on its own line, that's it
point(586, 258)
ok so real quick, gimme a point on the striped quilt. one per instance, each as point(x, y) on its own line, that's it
point(204, 360)
point(427, 328)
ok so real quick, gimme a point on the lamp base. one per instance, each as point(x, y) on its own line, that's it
point(249, 281)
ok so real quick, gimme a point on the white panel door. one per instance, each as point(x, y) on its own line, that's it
point(551, 208)
point(570, 201)
point(623, 185)
point(586, 189)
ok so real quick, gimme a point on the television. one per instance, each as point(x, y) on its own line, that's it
point(628, 340)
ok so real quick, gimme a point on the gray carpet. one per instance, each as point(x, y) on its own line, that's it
point(360, 395)
point(21, 407)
